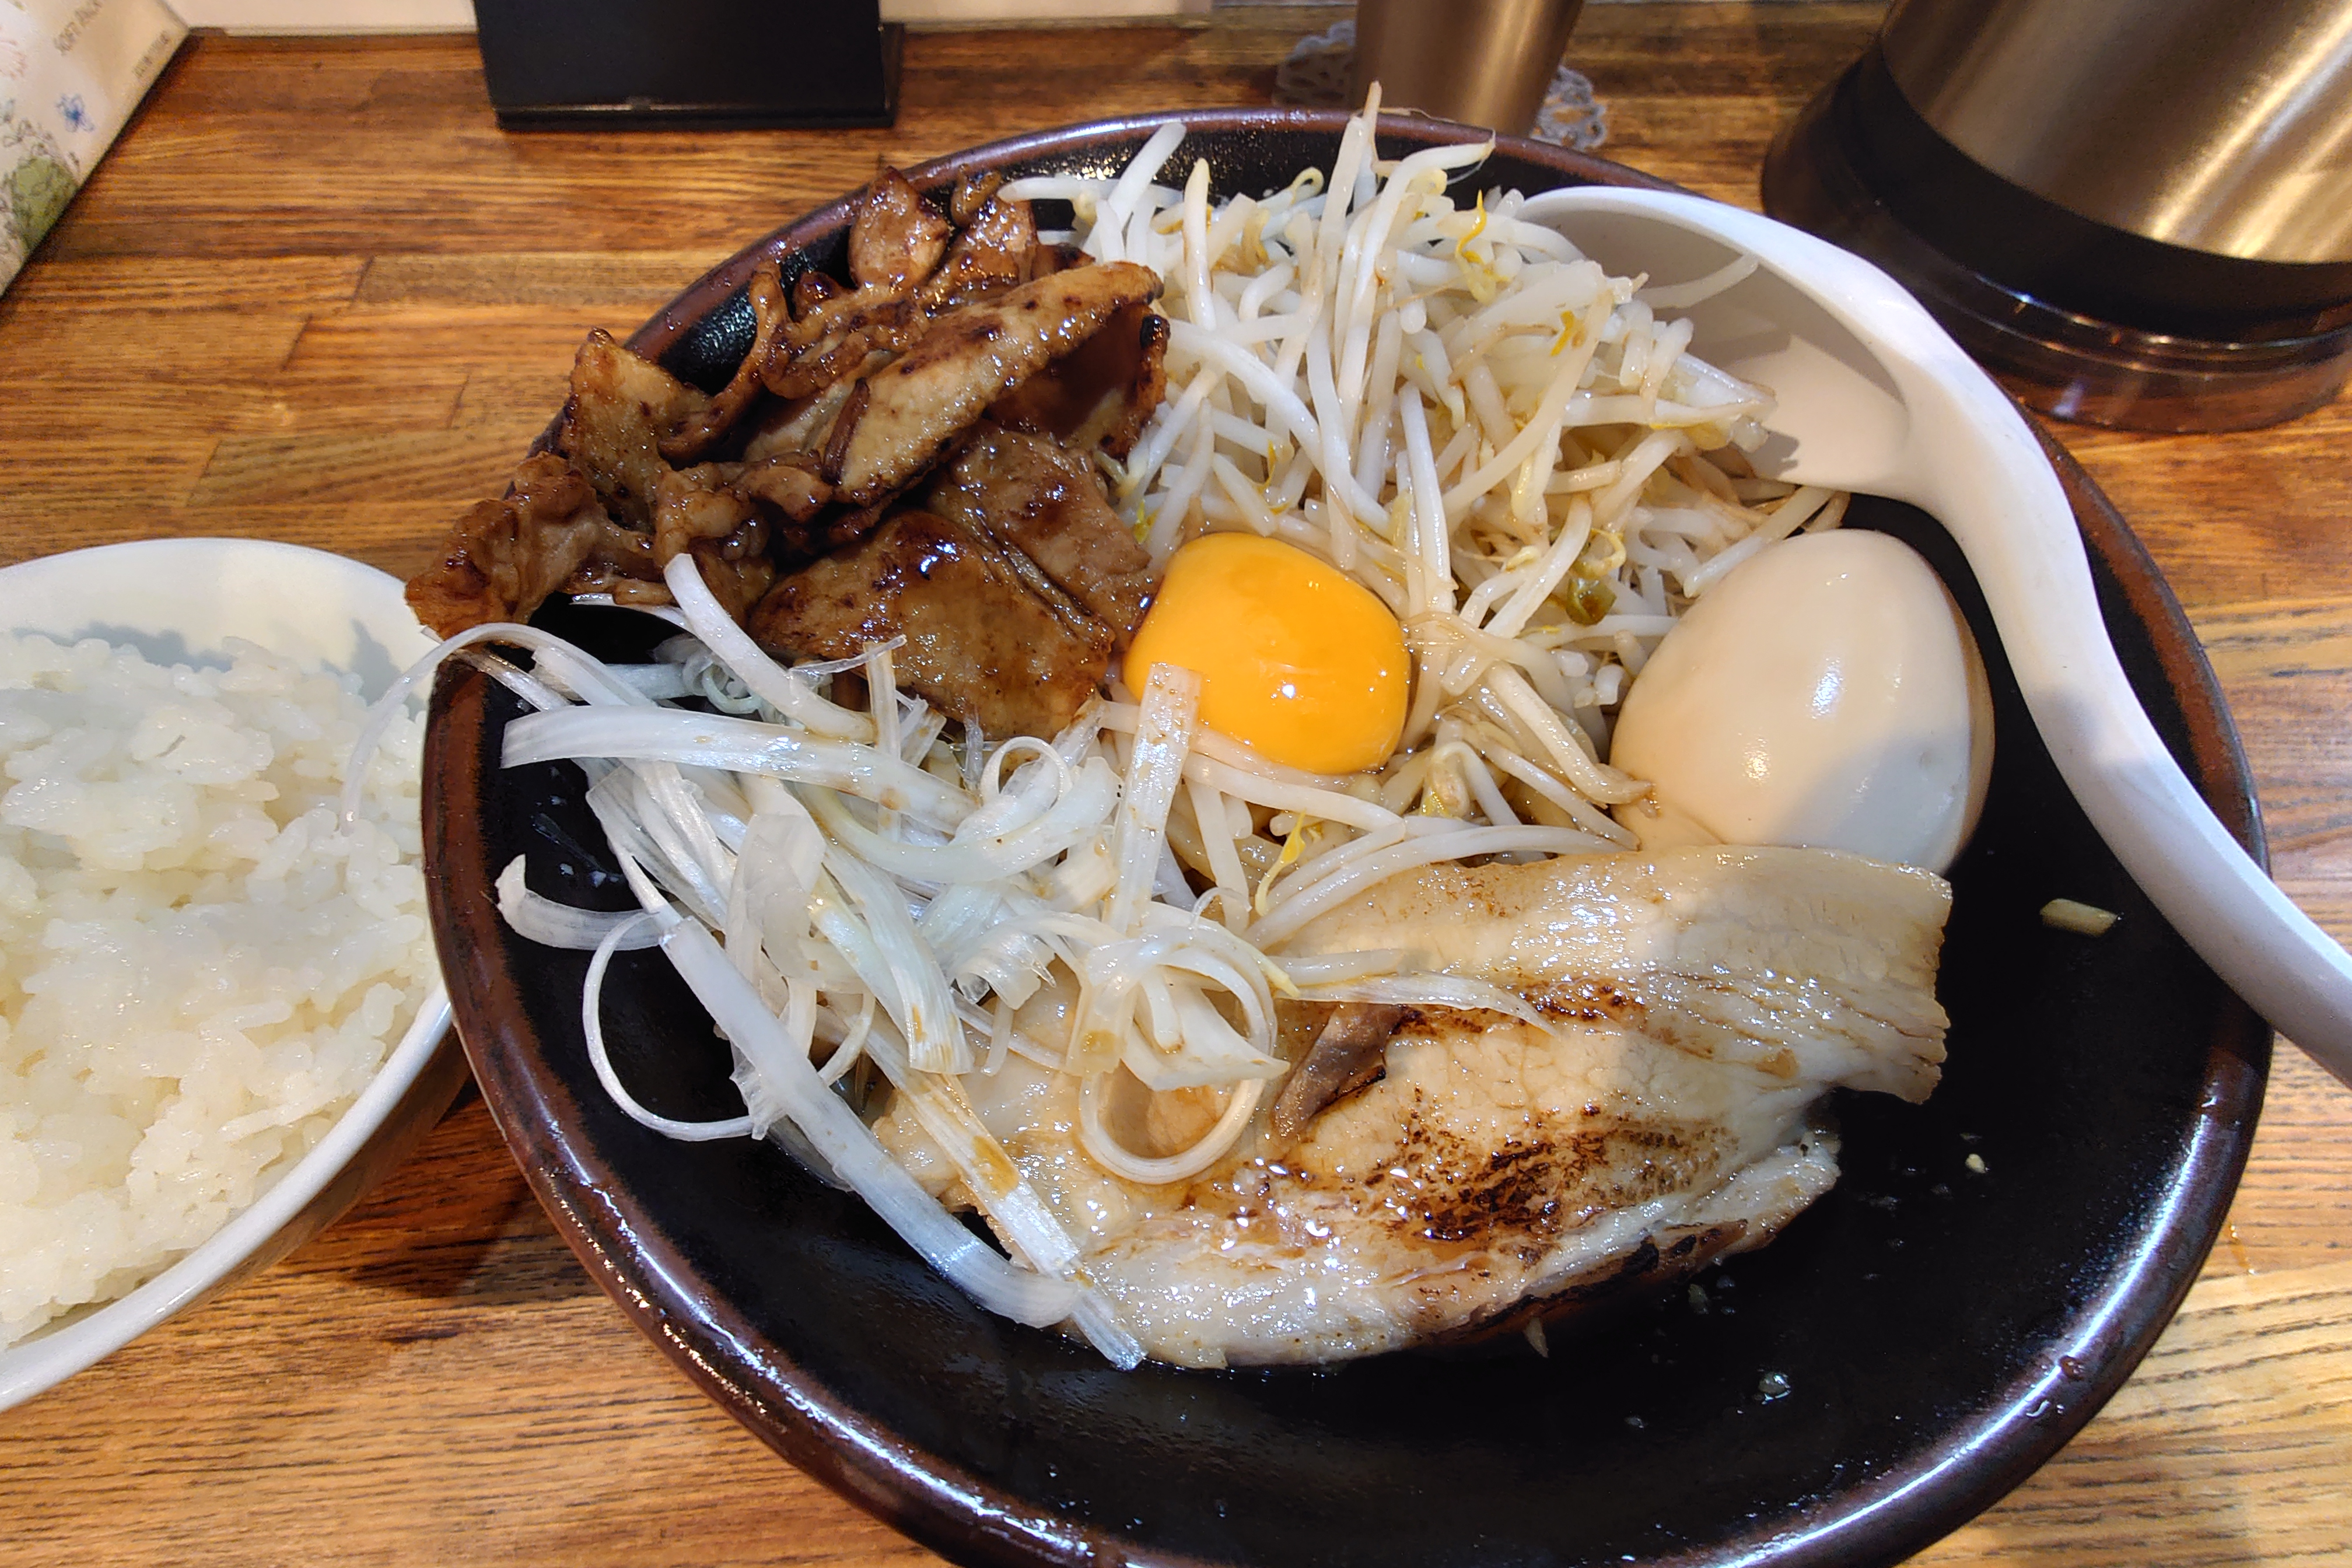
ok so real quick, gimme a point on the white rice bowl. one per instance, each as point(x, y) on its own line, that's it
point(211, 992)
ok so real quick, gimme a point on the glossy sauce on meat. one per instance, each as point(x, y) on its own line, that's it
point(1034, 495)
point(849, 395)
point(982, 643)
point(969, 359)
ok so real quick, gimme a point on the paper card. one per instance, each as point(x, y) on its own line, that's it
point(70, 73)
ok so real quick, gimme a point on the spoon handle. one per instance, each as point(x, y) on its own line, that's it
point(1996, 494)
point(1964, 452)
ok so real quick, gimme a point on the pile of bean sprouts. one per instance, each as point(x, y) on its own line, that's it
point(1511, 448)
point(1506, 444)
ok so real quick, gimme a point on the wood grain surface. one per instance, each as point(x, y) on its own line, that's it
point(315, 294)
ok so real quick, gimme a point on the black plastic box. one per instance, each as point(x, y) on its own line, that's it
point(667, 64)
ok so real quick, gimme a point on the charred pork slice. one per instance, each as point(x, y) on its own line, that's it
point(837, 334)
point(712, 501)
point(897, 240)
point(707, 427)
point(620, 405)
point(993, 252)
point(1034, 495)
point(982, 645)
point(505, 556)
point(917, 404)
point(799, 425)
point(1100, 393)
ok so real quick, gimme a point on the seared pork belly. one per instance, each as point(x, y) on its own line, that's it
point(988, 639)
point(1034, 495)
point(1698, 1004)
point(1835, 955)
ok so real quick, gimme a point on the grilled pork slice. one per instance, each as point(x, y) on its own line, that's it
point(914, 406)
point(1034, 495)
point(897, 239)
point(1100, 393)
point(701, 429)
point(505, 556)
point(992, 251)
point(711, 501)
point(1699, 1004)
point(621, 404)
point(989, 640)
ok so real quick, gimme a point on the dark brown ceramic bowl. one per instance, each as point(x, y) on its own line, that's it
point(1940, 1330)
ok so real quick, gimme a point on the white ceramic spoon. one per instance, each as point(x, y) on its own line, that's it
point(1875, 396)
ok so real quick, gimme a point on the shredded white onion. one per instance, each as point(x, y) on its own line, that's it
point(539, 919)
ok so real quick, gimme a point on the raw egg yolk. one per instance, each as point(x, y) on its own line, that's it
point(1295, 658)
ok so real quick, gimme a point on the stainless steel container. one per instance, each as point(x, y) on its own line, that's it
point(2137, 214)
point(1483, 62)
point(2216, 125)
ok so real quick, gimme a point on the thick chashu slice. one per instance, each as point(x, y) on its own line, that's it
point(1801, 964)
point(1497, 1169)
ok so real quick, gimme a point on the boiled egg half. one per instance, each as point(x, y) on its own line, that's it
point(1295, 658)
point(1826, 694)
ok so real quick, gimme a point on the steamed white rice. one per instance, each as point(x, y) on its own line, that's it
point(198, 969)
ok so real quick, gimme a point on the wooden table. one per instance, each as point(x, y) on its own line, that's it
point(315, 294)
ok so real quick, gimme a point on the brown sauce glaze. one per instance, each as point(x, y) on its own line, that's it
point(980, 645)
